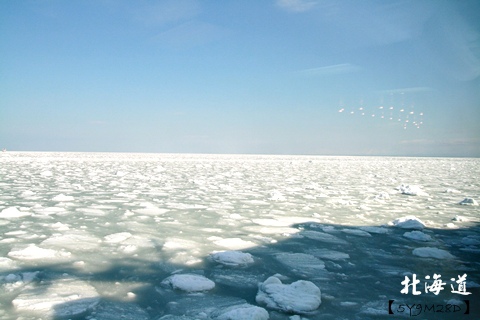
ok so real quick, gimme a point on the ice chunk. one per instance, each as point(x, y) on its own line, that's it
point(189, 282)
point(32, 252)
point(323, 237)
point(468, 202)
point(329, 254)
point(409, 222)
point(460, 218)
point(46, 173)
point(430, 252)
point(238, 279)
point(411, 190)
point(234, 243)
point(298, 297)
point(241, 312)
point(232, 258)
point(117, 237)
point(450, 190)
point(61, 197)
point(276, 196)
point(74, 240)
point(150, 209)
point(417, 235)
point(6, 264)
point(301, 263)
point(62, 299)
point(271, 222)
point(13, 212)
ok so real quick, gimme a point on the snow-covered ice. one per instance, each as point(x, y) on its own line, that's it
point(431, 252)
point(469, 202)
point(299, 297)
point(189, 282)
point(232, 258)
point(176, 236)
point(417, 235)
point(409, 222)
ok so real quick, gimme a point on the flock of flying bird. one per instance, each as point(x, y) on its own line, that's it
point(406, 116)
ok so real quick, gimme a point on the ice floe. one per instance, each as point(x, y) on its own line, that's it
point(431, 252)
point(232, 258)
point(33, 252)
point(189, 282)
point(417, 235)
point(409, 222)
point(61, 299)
point(13, 212)
point(468, 202)
point(241, 312)
point(411, 190)
point(298, 297)
point(61, 197)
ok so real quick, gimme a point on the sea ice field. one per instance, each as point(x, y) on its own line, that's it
point(238, 237)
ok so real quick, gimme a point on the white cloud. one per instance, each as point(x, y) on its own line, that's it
point(342, 68)
point(296, 5)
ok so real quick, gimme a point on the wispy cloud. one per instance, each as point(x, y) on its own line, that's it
point(296, 5)
point(342, 68)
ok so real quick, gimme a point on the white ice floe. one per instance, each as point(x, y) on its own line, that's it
point(411, 190)
point(460, 218)
point(150, 209)
point(13, 212)
point(32, 252)
point(62, 299)
point(298, 297)
point(189, 282)
point(74, 241)
point(276, 196)
point(61, 197)
point(468, 202)
point(417, 235)
point(242, 312)
point(117, 237)
point(46, 173)
point(271, 222)
point(431, 252)
point(233, 243)
point(408, 222)
point(232, 258)
point(450, 190)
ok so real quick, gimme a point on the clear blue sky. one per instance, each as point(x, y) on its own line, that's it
point(241, 76)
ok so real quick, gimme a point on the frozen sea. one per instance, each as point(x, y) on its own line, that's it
point(237, 237)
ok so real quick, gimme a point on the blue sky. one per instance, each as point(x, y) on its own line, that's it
point(241, 76)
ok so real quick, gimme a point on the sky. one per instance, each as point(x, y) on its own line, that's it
point(326, 77)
